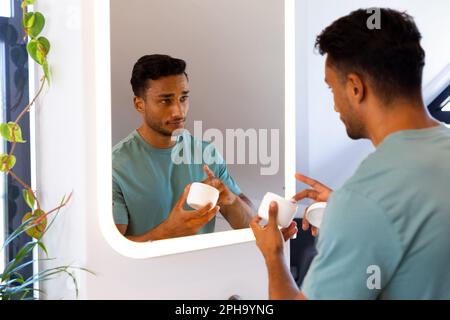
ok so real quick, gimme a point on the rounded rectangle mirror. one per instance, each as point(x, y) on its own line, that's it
point(212, 79)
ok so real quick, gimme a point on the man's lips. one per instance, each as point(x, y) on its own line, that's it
point(176, 122)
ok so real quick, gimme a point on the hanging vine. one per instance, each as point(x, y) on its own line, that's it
point(38, 48)
point(34, 222)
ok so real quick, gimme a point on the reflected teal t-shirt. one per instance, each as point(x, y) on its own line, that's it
point(148, 182)
point(386, 231)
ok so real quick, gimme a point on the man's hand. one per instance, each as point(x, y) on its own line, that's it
point(226, 197)
point(290, 231)
point(318, 193)
point(182, 222)
point(269, 238)
point(270, 241)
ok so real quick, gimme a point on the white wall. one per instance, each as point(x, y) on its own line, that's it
point(323, 149)
point(66, 161)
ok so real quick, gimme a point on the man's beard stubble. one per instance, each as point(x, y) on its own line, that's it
point(159, 127)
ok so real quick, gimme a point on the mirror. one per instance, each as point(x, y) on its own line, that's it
point(231, 106)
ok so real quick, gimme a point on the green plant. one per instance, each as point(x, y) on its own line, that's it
point(35, 222)
point(12, 284)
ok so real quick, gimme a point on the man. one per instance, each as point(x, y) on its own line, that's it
point(386, 231)
point(150, 187)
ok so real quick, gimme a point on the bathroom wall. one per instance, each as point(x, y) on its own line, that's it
point(66, 149)
point(65, 138)
point(323, 149)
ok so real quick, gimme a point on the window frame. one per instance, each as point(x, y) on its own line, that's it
point(15, 93)
point(3, 182)
point(436, 106)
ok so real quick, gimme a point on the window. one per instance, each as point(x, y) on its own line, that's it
point(446, 105)
point(2, 150)
point(13, 98)
point(440, 107)
point(5, 8)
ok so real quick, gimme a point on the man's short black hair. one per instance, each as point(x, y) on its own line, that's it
point(390, 58)
point(154, 67)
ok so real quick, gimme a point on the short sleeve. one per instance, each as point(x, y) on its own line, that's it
point(358, 250)
point(225, 176)
point(120, 211)
point(216, 162)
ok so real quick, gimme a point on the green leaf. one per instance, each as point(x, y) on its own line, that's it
point(37, 25)
point(38, 230)
point(43, 48)
point(44, 45)
point(18, 232)
point(7, 129)
point(25, 251)
point(17, 132)
point(42, 246)
point(29, 19)
point(26, 3)
point(46, 72)
point(25, 264)
point(33, 51)
point(29, 198)
point(39, 49)
point(7, 162)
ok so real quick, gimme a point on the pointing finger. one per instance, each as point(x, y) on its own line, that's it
point(273, 213)
point(311, 182)
point(183, 197)
point(208, 172)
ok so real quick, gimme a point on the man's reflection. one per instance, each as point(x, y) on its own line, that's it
point(149, 189)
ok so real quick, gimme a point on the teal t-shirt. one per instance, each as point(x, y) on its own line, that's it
point(386, 231)
point(148, 182)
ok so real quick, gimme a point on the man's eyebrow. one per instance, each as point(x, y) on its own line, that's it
point(166, 95)
point(171, 95)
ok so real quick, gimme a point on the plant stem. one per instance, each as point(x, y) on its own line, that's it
point(62, 205)
point(28, 107)
point(56, 209)
point(24, 111)
point(26, 187)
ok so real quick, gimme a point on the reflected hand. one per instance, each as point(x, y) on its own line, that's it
point(269, 239)
point(318, 193)
point(290, 231)
point(226, 197)
point(183, 222)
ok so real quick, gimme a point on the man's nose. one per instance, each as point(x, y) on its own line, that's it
point(178, 110)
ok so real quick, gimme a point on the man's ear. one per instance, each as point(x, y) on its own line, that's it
point(139, 104)
point(355, 87)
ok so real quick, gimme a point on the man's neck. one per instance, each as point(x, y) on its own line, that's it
point(398, 117)
point(154, 138)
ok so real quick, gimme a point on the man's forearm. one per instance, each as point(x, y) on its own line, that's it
point(281, 283)
point(158, 233)
point(239, 214)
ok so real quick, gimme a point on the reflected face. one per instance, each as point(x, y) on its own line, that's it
point(165, 104)
point(345, 102)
